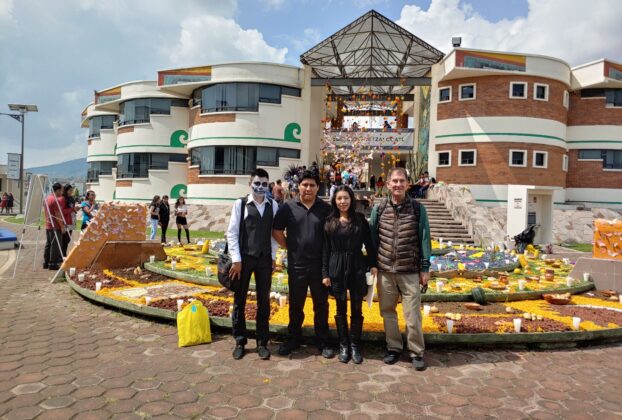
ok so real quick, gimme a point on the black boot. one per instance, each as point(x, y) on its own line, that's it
point(356, 329)
point(344, 340)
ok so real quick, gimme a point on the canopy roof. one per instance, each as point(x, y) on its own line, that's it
point(383, 56)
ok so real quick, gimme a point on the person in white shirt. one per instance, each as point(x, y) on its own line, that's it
point(252, 250)
point(181, 211)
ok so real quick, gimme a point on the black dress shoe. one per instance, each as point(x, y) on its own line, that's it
point(288, 347)
point(238, 352)
point(328, 352)
point(391, 357)
point(54, 267)
point(264, 353)
point(418, 363)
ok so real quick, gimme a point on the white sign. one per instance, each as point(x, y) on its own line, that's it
point(518, 203)
point(12, 170)
point(365, 140)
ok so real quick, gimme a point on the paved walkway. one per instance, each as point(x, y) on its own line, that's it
point(62, 356)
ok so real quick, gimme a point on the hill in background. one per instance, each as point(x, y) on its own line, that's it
point(71, 169)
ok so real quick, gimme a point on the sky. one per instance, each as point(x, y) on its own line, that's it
point(56, 53)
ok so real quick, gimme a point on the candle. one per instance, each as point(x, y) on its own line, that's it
point(426, 310)
point(569, 281)
point(449, 243)
point(173, 265)
point(517, 324)
point(439, 286)
point(98, 286)
point(576, 322)
point(450, 326)
point(486, 264)
point(586, 276)
point(507, 262)
point(152, 259)
point(439, 266)
point(521, 284)
point(147, 300)
point(72, 271)
point(283, 301)
point(208, 271)
point(180, 303)
point(81, 277)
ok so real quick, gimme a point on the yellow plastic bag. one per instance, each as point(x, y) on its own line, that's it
point(193, 325)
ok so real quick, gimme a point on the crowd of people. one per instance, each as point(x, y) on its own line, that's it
point(325, 256)
point(7, 201)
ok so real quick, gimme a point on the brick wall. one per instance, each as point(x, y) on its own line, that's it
point(592, 111)
point(492, 99)
point(194, 178)
point(590, 174)
point(122, 130)
point(492, 165)
point(195, 117)
point(124, 183)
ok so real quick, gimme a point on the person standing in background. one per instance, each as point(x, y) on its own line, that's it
point(54, 229)
point(181, 218)
point(165, 215)
point(154, 215)
point(89, 208)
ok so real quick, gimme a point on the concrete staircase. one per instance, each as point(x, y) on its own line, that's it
point(443, 225)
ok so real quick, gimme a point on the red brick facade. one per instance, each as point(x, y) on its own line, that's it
point(124, 183)
point(194, 178)
point(492, 99)
point(590, 174)
point(492, 165)
point(592, 111)
point(196, 117)
point(122, 130)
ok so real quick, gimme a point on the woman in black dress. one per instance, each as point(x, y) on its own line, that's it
point(344, 266)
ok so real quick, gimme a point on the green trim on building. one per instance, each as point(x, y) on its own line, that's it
point(595, 141)
point(290, 140)
point(491, 201)
point(152, 145)
point(542, 136)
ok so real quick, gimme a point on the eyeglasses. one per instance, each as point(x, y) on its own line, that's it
point(257, 184)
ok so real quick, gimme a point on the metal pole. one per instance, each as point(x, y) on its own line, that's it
point(21, 169)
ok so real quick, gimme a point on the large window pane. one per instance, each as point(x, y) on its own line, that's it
point(590, 154)
point(161, 106)
point(240, 96)
point(289, 153)
point(267, 156)
point(612, 159)
point(270, 94)
point(159, 161)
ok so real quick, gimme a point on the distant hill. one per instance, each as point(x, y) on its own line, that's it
point(70, 169)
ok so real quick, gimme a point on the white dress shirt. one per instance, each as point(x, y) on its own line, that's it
point(233, 232)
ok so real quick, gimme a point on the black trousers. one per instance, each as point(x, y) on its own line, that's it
point(300, 280)
point(356, 307)
point(66, 238)
point(51, 252)
point(262, 267)
point(164, 226)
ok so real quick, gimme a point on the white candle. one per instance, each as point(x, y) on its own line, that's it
point(173, 265)
point(98, 286)
point(152, 259)
point(439, 286)
point(180, 303)
point(439, 266)
point(576, 322)
point(521, 284)
point(72, 271)
point(426, 310)
point(147, 300)
point(81, 277)
point(283, 301)
point(486, 264)
point(507, 262)
point(450, 326)
point(586, 276)
point(569, 281)
point(517, 324)
point(208, 271)
point(449, 243)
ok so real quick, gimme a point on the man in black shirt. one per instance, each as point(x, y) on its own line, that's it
point(165, 216)
point(303, 219)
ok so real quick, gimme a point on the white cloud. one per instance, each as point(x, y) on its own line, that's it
point(210, 39)
point(274, 4)
point(310, 38)
point(576, 31)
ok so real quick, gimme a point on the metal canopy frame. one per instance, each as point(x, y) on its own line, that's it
point(375, 52)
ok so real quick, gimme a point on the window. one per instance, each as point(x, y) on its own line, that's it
point(444, 94)
point(101, 122)
point(518, 90)
point(95, 169)
point(614, 97)
point(240, 96)
point(565, 163)
point(137, 165)
point(468, 157)
point(518, 158)
point(541, 92)
point(566, 99)
point(540, 159)
point(444, 158)
point(612, 159)
point(590, 154)
point(237, 160)
point(467, 92)
point(137, 111)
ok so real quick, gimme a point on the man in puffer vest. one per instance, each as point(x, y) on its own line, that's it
point(401, 231)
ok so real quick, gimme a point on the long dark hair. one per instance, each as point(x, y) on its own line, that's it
point(332, 221)
point(155, 200)
point(69, 200)
point(177, 203)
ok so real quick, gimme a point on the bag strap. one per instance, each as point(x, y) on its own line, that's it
point(242, 210)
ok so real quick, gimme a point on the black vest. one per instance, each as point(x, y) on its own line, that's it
point(256, 238)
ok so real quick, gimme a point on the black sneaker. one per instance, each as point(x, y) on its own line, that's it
point(264, 353)
point(54, 267)
point(391, 357)
point(418, 363)
point(287, 347)
point(328, 352)
point(238, 352)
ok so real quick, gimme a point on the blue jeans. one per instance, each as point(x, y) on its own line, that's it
point(154, 228)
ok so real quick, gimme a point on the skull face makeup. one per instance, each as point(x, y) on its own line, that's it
point(259, 186)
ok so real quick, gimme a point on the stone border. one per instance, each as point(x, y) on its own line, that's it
point(430, 338)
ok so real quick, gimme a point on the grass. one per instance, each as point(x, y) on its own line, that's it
point(579, 247)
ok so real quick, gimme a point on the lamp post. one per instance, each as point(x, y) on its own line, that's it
point(22, 109)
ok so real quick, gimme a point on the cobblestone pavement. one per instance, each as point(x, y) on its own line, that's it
point(62, 356)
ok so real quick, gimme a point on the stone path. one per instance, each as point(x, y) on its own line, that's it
point(64, 357)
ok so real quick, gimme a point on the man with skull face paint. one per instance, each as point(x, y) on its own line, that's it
point(253, 252)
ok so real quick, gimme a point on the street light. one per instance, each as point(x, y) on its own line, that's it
point(23, 109)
